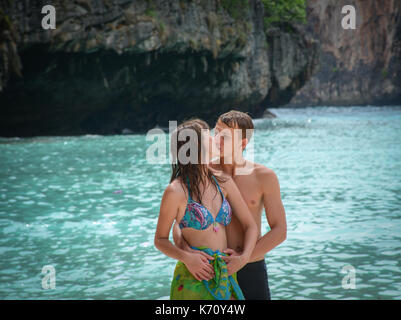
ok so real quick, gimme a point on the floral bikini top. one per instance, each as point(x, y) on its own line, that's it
point(199, 217)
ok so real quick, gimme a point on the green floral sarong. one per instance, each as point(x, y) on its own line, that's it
point(184, 286)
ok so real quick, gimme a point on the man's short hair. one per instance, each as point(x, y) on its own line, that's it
point(238, 120)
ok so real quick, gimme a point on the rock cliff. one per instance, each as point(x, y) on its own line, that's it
point(357, 67)
point(116, 64)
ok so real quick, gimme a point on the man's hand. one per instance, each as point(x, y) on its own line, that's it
point(186, 247)
point(197, 270)
point(235, 261)
point(232, 252)
point(198, 264)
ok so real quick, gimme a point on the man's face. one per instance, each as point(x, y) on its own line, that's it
point(209, 146)
point(227, 140)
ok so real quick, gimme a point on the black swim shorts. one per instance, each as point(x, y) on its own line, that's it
point(252, 279)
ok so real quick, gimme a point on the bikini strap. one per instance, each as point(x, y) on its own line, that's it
point(218, 186)
point(189, 190)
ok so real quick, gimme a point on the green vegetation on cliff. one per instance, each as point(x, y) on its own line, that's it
point(283, 12)
point(279, 13)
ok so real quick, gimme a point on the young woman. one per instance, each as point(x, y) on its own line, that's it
point(202, 203)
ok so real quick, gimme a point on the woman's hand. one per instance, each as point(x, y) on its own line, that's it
point(199, 266)
point(235, 261)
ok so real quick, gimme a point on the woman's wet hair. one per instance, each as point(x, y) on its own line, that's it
point(191, 169)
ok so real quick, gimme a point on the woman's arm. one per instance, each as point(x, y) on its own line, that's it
point(168, 213)
point(248, 223)
point(196, 263)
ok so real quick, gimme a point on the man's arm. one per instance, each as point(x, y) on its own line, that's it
point(275, 214)
point(241, 211)
point(179, 240)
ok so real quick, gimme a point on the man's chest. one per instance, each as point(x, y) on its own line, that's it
point(250, 191)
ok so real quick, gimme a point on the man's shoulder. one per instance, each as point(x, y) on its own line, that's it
point(263, 173)
point(260, 169)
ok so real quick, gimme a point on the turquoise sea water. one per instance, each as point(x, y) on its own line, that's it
point(88, 207)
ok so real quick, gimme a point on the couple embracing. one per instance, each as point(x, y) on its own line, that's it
point(214, 205)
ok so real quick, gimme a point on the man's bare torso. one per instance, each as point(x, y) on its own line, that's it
point(251, 190)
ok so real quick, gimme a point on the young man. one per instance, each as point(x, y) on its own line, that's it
point(259, 186)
